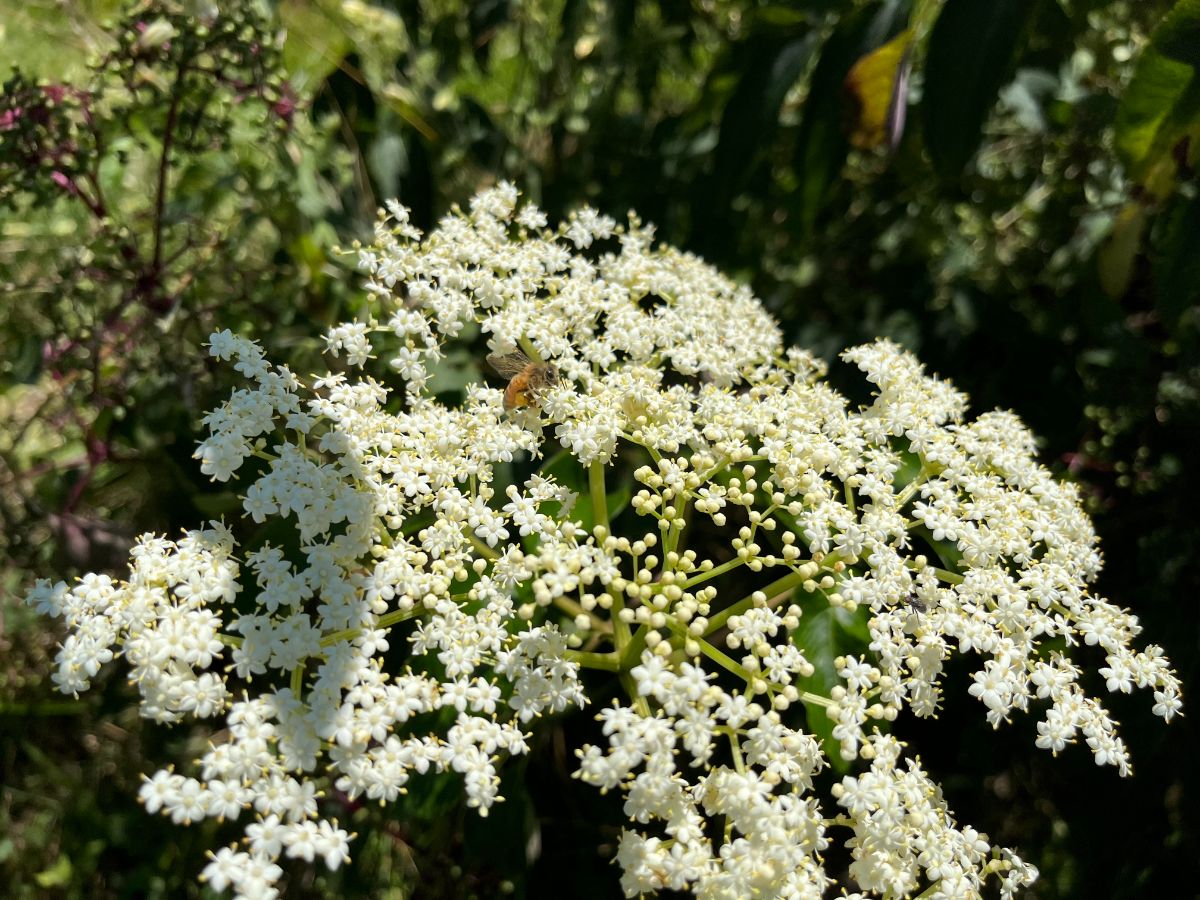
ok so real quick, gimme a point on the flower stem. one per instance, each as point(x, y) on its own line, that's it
point(480, 547)
point(721, 659)
point(633, 650)
point(815, 699)
point(621, 633)
point(778, 586)
point(572, 608)
point(713, 572)
point(911, 488)
point(608, 662)
point(528, 349)
point(385, 621)
point(599, 495)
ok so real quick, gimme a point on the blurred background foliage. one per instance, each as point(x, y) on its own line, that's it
point(1008, 188)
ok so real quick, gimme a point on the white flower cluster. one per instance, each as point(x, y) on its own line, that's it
point(759, 495)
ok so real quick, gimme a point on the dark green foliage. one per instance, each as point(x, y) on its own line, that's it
point(970, 57)
point(821, 143)
point(1178, 37)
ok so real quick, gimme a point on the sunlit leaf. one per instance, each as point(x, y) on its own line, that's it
point(1118, 254)
point(49, 39)
point(315, 42)
point(1158, 87)
point(825, 633)
point(57, 875)
point(1159, 115)
point(875, 84)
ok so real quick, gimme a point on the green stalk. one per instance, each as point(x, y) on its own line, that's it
point(911, 488)
point(815, 699)
point(721, 659)
point(599, 494)
point(726, 662)
point(385, 621)
point(944, 574)
point(573, 609)
point(480, 547)
point(297, 683)
point(714, 572)
point(608, 662)
point(621, 633)
point(778, 586)
point(633, 650)
point(527, 348)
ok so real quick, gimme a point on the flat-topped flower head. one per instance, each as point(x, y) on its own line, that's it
point(666, 509)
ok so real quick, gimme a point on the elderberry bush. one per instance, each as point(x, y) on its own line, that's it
point(658, 521)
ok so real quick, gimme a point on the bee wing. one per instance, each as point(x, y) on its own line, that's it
point(510, 365)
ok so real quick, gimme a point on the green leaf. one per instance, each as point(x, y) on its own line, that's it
point(1178, 35)
point(821, 145)
point(414, 525)
point(1176, 264)
point(824, 634)
point(1159, 114)
point(970, 54)
point(1158, 86)
point(910, 465)
point(58, 875)
point(751, 116)
point(565, 469)
point(315, 43)
point(50, 39)
point(947, 552)
point(782, 16)
point(1118, 254)
point(223, 503)
point(25, 358)
point(457, 371)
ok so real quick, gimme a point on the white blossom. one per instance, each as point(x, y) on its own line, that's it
point(924, 533)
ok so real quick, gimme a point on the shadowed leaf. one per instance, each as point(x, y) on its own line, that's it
point(970, 53)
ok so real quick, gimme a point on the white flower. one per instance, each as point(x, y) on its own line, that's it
point(712, 491)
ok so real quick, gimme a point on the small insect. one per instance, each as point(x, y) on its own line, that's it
point(526, 379)
point(916, 603)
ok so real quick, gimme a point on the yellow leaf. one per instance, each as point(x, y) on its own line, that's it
point(871, 84)
point(1118, 253)
point(58, 875)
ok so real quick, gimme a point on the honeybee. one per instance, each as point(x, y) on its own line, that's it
point(526, 379)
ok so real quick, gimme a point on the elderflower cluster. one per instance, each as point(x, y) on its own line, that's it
point(668, 510)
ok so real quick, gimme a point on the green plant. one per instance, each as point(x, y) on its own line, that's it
point(790, 576)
